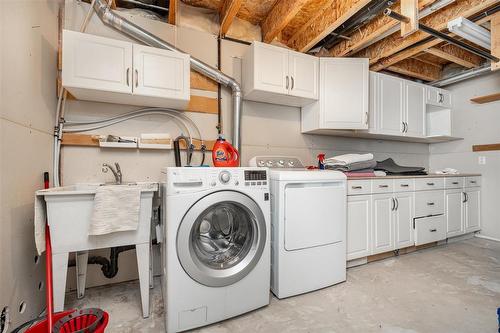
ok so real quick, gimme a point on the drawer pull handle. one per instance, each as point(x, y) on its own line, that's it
point(430, 204)
point(356, 187)
point(472, 181)
point(430, 184)
point(383, 186)
point(455, 183)
point(433, 230)
point(405, 185)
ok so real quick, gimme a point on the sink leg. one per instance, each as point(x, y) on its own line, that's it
point(82, 259)
point(143, 264)
point(59, 271)
point(151, 282)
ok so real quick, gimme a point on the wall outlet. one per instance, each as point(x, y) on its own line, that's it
point(481, 160)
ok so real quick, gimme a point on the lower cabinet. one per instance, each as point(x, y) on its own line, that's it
point(463, 211)
point(403, 219)
point(382, 223)
point(358, 226)
point(472, 209)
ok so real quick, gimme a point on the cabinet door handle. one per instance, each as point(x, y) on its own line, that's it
point(433, 230)
point(366, 118)
point(465, 197)
point(403, 130)
point(405, 185)
point(397, 204)
point(287, 82)
point(128, 80)
point(383, 186)
point(430, 184)
point(356, 187)
point(407, 127)
point(472, 181)
point(455, 183)
point(292, 83)
point(430, 204)
point(441, 98)
point(136, 78)
point(393, 206)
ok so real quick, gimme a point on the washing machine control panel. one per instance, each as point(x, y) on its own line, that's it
point(238, 177)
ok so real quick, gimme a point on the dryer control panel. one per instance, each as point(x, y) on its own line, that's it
point(285, 162)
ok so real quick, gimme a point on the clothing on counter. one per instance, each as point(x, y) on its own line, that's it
point(391, 168)
point(447, 171)
point(116, 208)
point(380, 173)
point(353, 166)
point(347, 159)
point(359, 174)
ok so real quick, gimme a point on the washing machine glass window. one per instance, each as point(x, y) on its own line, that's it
point(221, 238)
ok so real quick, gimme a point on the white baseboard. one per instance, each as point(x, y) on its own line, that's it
point(487, 237)
point(460, 238)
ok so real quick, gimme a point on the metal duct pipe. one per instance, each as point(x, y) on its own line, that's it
point(465, 75)
point(134, 31)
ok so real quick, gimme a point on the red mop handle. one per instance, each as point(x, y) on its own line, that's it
point(48, 268)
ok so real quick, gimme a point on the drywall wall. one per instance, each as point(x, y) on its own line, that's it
point(266, 129)
point(28, 39)
point(478, 124)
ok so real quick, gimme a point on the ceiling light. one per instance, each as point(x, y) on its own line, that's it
point(470, 31)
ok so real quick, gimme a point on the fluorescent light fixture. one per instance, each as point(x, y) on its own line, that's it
point(470, 31)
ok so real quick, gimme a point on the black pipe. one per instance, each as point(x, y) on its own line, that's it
point(109, 267)
point(177, 153)
point(443, 36)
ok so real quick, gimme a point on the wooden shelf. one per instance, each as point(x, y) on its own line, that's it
point(486, 98)
point(488, 147)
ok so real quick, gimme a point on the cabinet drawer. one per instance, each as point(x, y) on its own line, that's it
point(429, 203)
point(404, 185)
point(422, 184)
point(472, 181)
point(358, 187)
point(430, 229)
point(454, 182)
point(382, 186)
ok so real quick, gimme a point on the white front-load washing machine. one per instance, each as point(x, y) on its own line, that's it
point(215, 246)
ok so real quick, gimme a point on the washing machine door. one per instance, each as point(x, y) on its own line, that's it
point(221, 238)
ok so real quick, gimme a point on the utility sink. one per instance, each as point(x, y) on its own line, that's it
point(69, 211)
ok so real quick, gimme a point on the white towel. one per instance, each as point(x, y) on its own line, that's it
point(116, 208)
point(348, 159)
point(39, 221)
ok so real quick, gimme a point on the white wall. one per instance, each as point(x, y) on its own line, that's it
point(28, 31)
point(478, 124)
point(266, 129)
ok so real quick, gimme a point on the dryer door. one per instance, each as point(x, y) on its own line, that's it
point(221, 238)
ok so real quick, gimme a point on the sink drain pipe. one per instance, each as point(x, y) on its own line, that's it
point(132, 30)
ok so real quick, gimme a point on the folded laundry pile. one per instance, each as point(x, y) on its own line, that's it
point(353, 165)
point(391, 168)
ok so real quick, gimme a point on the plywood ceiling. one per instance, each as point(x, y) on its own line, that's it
point(301, 24)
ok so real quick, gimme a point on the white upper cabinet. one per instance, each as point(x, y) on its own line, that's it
point(390, 108)
point(438, 97)
point(170, 80)
point(97, 62)
point(277, 75)
point(414, 109)
point(107, 70)
point(343, 98)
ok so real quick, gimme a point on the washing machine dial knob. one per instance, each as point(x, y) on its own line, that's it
point(224, 177)
point(261, 163)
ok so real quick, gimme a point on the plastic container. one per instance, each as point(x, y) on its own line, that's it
point(224, 154)
point(41, 327)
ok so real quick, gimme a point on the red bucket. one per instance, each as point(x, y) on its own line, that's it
point(41, 327)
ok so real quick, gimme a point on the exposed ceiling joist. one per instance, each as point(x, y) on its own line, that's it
point(279, 16)
point(331, 16)
point(370, 32)
point(394, 43)
point(409, 8)
point(457, 55)
point(227, 14)
point(495, 40)
point(417, 69)
point(172, 11)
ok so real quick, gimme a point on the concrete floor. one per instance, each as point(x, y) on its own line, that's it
point(450, 288)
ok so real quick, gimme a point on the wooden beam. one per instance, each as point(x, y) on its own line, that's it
point(417, 69)
point(92, 140)
point(457, 55)
point(409, 8)
point(488, 147)
point(370, 32)
point(278, 18)
point(203, 104)
point(486, 99)
point(495, 40)
point(201, 82)
point(228, 12)
point(172, 12)
point(330, 17)
point(393, 44)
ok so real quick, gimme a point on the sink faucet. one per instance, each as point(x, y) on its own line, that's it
point(117, 172)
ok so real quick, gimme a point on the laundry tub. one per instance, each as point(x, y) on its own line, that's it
point(69, 212)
